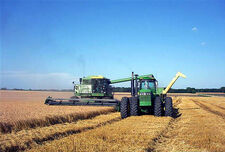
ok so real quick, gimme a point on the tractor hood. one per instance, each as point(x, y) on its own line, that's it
point(159, 90)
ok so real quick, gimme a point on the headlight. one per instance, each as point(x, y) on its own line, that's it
point(145, 93)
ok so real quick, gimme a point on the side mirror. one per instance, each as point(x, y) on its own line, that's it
point(156, 83)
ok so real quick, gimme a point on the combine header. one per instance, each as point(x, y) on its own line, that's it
point(146, 96)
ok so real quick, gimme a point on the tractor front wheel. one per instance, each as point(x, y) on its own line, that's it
point(158, 107)
point(168, 107)
point(124, 107)
point(134, 106)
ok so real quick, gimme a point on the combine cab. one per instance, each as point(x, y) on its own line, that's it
point(93, 87)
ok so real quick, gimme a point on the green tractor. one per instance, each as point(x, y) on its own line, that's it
point(147, 97)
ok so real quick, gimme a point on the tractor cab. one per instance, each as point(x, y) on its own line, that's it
point(147, 83)
point(146, 89)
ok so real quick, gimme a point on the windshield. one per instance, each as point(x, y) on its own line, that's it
point(148, 84)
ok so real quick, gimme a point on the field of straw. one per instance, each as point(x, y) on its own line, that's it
point(198, 125)
point(26, 109)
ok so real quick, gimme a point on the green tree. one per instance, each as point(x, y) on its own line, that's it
point(190, 90)
point(222, 89)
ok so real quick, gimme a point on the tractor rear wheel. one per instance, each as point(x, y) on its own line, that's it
point(158, 107)
point(168, 107)
point(134, 106)
point(124, 108)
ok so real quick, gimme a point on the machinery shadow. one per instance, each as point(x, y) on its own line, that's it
point(176, 113)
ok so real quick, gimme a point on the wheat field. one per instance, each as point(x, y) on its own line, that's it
point(198, 125)
point(26, 109)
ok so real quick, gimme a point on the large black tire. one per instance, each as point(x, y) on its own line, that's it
point(134, 106)
point(124, 108)
point(168, 107)
point(158, 107)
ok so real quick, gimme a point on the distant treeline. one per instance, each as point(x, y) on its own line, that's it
point(187, 90)
point(128, 89)
point(121, 89)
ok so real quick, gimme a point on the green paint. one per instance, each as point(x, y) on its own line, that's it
point(98, 94)
point(147, 76)
point(159, 90)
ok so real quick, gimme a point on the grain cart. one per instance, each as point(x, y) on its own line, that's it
point(147, 97)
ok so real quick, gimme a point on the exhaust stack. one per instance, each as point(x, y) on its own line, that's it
point(136, 85)
point(132, 84)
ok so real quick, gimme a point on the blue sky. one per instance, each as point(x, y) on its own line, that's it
point(49, 44)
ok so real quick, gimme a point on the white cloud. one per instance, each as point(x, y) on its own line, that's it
point(203, 43)
point(25, 80)
point(194, 29)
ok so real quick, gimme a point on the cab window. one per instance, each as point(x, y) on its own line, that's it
point(147, 84)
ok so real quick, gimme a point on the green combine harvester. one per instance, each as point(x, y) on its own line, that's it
point(146, 97)
point(92, 91)
point(94, 87)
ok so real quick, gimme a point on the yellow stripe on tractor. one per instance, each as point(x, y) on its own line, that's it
point(97, 77)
